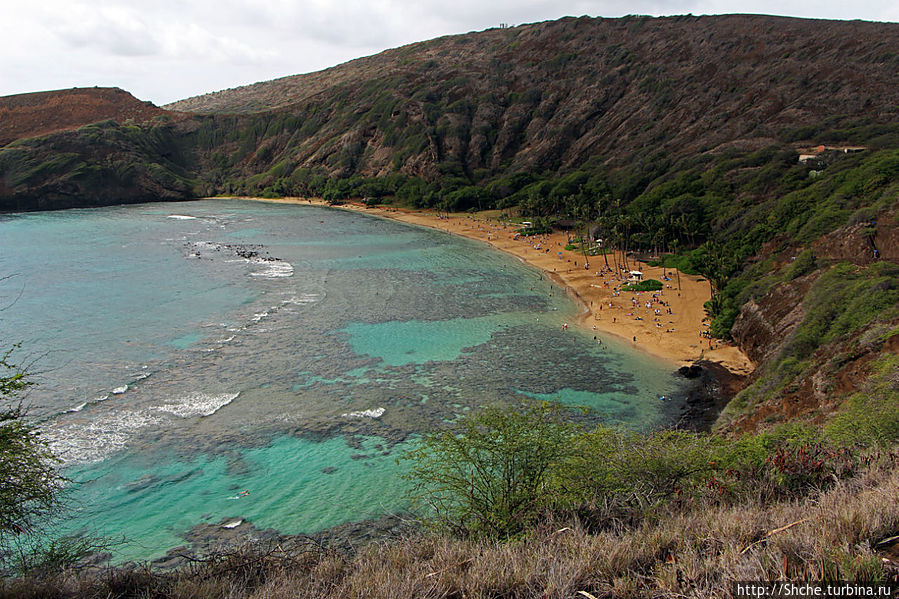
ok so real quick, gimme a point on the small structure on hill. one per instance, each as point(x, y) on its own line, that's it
point(816, 152)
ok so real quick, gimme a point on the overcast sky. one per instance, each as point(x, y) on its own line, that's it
point(166, 50)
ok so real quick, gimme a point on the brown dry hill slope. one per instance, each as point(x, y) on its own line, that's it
point(541, 98)
point(547, 96)
point(42, 113)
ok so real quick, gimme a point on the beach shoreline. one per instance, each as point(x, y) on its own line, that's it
point(670, 324)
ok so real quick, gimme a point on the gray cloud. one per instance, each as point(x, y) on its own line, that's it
point(116, 32)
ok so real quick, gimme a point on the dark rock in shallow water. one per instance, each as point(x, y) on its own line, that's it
point(691, 372)
point(171, 560)
point(329, 470)
point(714, 386)
point(233, 535)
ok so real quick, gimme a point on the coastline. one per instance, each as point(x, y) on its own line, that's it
point(676, 337)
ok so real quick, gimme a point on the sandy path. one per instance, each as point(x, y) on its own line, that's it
point(677, 337)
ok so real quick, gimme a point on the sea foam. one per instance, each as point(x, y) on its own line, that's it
point(303, 298)
point(375, 413)
point(77, 442)
point(198, 404)
point(272, 269)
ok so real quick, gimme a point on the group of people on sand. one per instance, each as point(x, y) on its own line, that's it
point(706, 335)
point(645, 306)
point(654, 304)
point(612, 279)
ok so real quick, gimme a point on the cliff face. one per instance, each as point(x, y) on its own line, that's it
point(765, 323)
point(818, 337)
point(861, 243)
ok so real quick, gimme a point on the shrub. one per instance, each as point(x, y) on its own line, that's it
point(29, 481)
point(647, 285)
point(797, 470)
point(635, 471)
point(494, 473)
point(487, 476)
point(803, 264)
point(871, 417)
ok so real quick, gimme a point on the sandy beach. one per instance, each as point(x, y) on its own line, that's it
point(670, 324)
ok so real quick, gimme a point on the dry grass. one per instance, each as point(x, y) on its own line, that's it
point(695, 552)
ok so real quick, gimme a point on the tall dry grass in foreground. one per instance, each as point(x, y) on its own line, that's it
point(695, 551)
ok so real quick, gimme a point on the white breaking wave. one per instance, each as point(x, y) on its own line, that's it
point(303, 298)
point(376, 413)
point(120, 390)
point(77, 408)
point(198, 404)
point(80, 442)
point(77, 442)
point(272, 269)
point(182, 217)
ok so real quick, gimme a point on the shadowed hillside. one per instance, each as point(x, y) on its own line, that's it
point(636, 92)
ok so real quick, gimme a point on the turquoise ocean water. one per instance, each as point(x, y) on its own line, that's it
point(186, 352)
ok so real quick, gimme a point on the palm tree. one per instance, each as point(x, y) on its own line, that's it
point(603, 221)
point(661, 235)
point(686, 228)
point(614, 238)
point(626, 221)
point(676, 243)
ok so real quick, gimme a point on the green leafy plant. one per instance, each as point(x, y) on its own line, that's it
point(647, 285)
point(487, 475)
point(29, 481)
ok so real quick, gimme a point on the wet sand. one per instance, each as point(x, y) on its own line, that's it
point(678, 336)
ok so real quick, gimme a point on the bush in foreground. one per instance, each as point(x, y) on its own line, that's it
point(494, 474)
point(693, 552)
point(29, 481)
point(490, 475)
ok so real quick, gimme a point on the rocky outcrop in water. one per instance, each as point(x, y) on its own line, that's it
point(234, 535)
